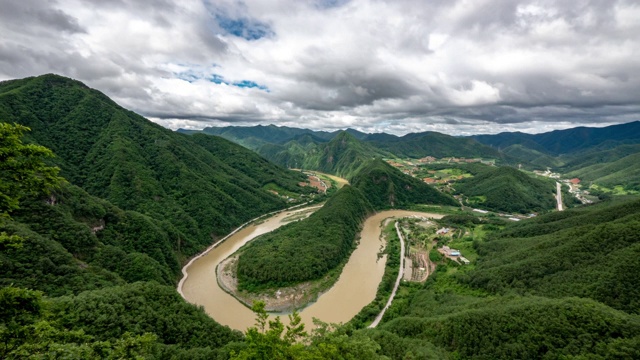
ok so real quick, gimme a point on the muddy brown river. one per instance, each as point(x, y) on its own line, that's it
point(355, 288)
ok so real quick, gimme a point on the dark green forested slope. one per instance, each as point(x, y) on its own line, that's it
point(570, 140)
point(307, 249)
point(561, 285)
point(142, 307)
point(387, 187)
point(623, 172)
point(592, 252)
point(518, 328)
point(69, 243)
point(508, 189)
point(253, 137)
point(293, 154)
point(117, 155)
point(594, 157)
point(533, 158)
point(82, 243)
point(429, 143)
point(343, 155)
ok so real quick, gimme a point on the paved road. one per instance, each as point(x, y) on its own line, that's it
point(395, 287)
point(559, 196)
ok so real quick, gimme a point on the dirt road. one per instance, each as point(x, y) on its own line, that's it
point(559, 196)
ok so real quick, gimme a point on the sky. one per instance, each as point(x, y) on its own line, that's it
point(458, 67)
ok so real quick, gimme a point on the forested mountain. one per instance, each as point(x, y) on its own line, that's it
point(253, 137)
point(190, 185)
point(559, 142)
point(533, 157)
point(509, 190)
point(624, 172)
point(88, 271)
point(417, 145)
point(561, 285)
point(387, 187)
point(286, 146)
point(343, 155)
point(138, 201)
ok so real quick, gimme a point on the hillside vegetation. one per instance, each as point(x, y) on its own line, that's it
point(567, 141)
point(307, 249)
point(197, 188)
point(90, 267)
point(253, 137)
point(343, 155)
point(418, 145)
point(509, 190)
point(556, 286)
point(624, 172)
point(387, 187)
point(590, 252)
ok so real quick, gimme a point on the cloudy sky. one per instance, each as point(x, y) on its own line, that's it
point(454, 66)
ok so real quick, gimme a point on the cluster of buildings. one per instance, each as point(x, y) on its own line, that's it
point(453, 254)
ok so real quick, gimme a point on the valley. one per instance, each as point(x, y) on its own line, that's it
point(187, 245)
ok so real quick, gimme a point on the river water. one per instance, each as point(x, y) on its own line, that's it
point(355, 288)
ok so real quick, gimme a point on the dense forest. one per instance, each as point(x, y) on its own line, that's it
point(342, 155)
point(191, 189)
point(387, 187)
point(307, 249)
point(509, 190)
point(89, 252)
point(281, 144)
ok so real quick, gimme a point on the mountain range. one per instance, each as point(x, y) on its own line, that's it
point(94, 273)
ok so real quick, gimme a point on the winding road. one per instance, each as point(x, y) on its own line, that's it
point(395, 287)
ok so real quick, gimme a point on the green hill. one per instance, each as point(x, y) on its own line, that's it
point(588, 252)
point(418, 145)
point(533, 157)
point(253, 137)
point(387, 187)
point(343, 155)
point(567, 141)
point(305, 250)
point(509, 190)
point(112, 153)
point(559, 285)
point(624, 172)
point(326, 238)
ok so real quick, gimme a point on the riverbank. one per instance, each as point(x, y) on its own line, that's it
point(394, 265)
point(185, 273)
point(356, 286)
point(281, 300)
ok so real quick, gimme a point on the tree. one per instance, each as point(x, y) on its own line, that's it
point(270, 343)
point(22, 172)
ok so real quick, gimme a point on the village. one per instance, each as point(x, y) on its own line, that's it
point(430, 244)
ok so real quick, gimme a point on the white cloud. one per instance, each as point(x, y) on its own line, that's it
point(458, 67)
